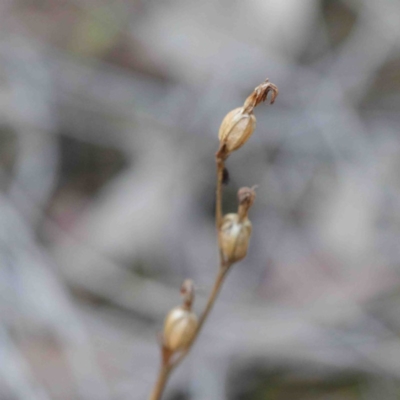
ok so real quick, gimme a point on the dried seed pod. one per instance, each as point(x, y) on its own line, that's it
point(236, 229)
point(236, 128)
point(179, 328)
point(239, 124)
point(235, 234)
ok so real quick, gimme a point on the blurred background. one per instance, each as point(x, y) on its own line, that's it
point(109, 113)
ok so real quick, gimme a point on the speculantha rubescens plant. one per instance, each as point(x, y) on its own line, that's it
point(182, 326)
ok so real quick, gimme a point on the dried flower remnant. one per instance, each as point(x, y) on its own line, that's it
point(260, 94)
point(239, 124)
point(236, 228)
point(246, 197)
point(187, 293)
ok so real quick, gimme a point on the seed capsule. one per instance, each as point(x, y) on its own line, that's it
point(239, 124)
point(179, 328)
point(236, 128)
point(235, 235)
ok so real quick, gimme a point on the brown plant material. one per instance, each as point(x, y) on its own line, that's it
point(236, 228)
point(236, 128)
point(240, 123)
point(181, 323)
point(260, 94)
point(187, 293)
point(235, 237)
point(246, 196)
point(181, 326)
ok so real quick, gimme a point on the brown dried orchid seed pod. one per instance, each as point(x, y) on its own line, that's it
point(235, 235)
point(236, 128)
point(239, 124)
point(179, 328)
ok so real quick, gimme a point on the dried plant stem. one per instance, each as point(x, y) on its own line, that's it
point(168, 364)
point(213, 296)
point(162, 379)
point(211, 300)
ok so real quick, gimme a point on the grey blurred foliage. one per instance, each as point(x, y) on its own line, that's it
point(109, 112)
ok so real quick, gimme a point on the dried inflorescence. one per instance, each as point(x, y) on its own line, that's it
point(260, 94)
point(181, 325)
point(246, 197)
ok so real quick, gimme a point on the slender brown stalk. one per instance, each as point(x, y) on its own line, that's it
point(213, 296)
point(168, 365)
point(162, 379)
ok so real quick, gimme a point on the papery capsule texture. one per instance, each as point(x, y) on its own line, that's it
point(236, 128)
point(179, 328)
point(235, 237)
